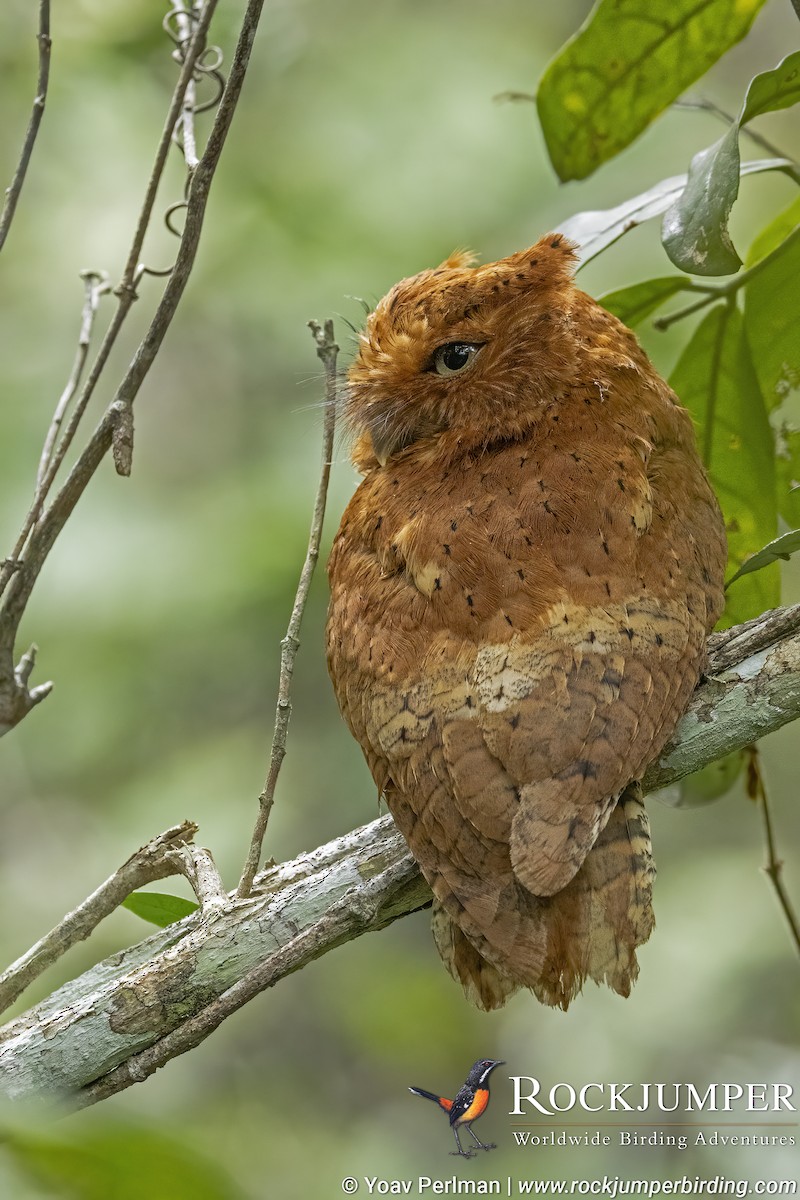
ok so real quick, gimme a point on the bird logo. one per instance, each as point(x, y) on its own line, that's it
point(471, 1102)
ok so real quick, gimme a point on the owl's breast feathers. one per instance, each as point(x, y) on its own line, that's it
point(515, 629)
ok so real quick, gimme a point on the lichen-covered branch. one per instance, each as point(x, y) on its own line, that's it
point(184, 980)
point(752, 687)
point(151, 862)
point(120, 1021)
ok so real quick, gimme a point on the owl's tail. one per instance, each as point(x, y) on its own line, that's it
point(589, 930)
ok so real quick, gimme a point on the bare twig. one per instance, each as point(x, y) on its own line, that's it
point(154, 861)
point(16, 698)
point(126, 293)
point(23, 574)
point(184, 19)
point(756, 789)
point(191, 54)
point(12, 563)
point(95, 285)
point(171, 853)
point(702, 104)
point(198, 866)
point(327, 350)
point(37, 112)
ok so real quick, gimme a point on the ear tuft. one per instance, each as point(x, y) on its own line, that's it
point(558, 251)
point(550, 262)
point(459, 259)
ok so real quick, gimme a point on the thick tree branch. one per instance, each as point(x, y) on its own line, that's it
point(752, 687)
point(120, 1021)
point(118, 1014)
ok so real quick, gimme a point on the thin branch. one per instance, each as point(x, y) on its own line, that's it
point(702, 104)
point(37, 112)
point(125, 290)
point(327, 350)
point(192, 53)
point(122, 1019)
point(95, 285)
point(126, 294)
point(184, 19)
point(757, 791)
point(714, 292)
point(171, 853)
point(151, 862)
point(197, 865)
point(43, 536)
point(8, 628)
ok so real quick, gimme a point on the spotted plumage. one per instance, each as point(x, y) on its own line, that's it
point(521, 590)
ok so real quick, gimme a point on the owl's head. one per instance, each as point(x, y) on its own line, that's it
point(476, 350)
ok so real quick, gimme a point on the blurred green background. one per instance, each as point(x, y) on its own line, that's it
point(366, 147)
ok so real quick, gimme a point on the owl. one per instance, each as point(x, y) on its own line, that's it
point(521, 591)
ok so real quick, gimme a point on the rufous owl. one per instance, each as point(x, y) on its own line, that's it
point(521, 591)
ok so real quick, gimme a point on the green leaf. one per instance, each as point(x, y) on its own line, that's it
point(716, 381)
point(159, 908)
point(771, 306)
point(623, 67)
point(773, 234)
point(633, 304)
point(695, 230)
point(773, 90)
point(782, 547)
point(118, 1163)
point(596, 230)
point(711, 783)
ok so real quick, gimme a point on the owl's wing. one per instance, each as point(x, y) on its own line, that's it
point(533, 740)
point(573, 717)
point(506, 764)
point(491, 932)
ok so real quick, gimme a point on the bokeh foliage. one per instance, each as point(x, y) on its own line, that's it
point(615, 76)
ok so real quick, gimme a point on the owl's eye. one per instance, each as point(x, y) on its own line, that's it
point(453, 357)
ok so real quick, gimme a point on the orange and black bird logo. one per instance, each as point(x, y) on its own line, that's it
point(471, 1102)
